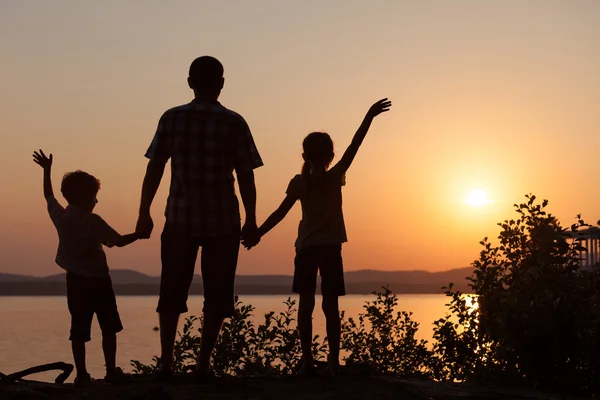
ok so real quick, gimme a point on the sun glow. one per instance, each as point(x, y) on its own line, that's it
point(477, 198)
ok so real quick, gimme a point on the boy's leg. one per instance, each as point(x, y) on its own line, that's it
point(114, 374)
point(305, 310)
point(332, 320)
point(109, 321)
point(219, 263)
point(78, 347)
point(79, 294)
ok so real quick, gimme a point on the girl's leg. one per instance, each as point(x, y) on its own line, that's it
point(332, 319)
point(305, 310)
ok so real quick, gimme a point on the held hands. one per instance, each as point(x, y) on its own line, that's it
point(379, 107)
point(144, 226)
point(42, 160)
point(249, 235)
point(249, 241)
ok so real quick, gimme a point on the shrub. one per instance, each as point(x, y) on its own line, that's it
point(537, 319)
point(386, 337)
point(242, 349)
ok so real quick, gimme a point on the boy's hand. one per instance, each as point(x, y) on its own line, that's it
point(41, 159)
point(379, 107)
point(141, 236)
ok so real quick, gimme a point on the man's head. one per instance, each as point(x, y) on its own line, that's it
point(206, 77)
point(80, 189)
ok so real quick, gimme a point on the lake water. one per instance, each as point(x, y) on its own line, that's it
point(35, 330)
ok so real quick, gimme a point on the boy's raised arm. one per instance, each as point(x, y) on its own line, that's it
point(46, 163)
point(379, 107)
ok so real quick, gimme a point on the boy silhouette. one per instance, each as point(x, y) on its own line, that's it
point(81, 235)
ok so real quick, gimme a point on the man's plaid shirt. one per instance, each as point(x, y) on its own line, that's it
point(206, 142)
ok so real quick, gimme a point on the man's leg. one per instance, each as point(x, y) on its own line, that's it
point(211, 328)
point(219, 263)
point(332, 320)
point(305, 311)
point(168, 331)
point(178, 256)
point(109, 347)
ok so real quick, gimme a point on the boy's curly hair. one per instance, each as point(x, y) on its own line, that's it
point(79, 188)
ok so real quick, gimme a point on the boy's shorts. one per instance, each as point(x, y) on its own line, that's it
point(87, 296)
point(327, 260)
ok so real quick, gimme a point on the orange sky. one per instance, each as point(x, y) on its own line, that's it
point(497, 96)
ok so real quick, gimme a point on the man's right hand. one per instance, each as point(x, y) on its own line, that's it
point(144, 226)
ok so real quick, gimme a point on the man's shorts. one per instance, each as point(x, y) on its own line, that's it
point(218, 265)
point(325, 259)
point(87, 296)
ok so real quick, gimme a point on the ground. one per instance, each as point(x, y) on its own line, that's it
point(287, 388)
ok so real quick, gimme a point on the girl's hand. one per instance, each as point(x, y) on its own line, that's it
point(41, 159)
point(250, 241)
point(379, 107)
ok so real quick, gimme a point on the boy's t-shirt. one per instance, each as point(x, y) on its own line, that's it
point(81, 235)
point(321, 199)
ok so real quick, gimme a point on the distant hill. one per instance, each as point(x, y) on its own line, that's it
point(129, 282)
point(118, 276)
point(414, 276)
point(18, 278)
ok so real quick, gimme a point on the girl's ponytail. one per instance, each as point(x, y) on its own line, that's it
point(306, 171)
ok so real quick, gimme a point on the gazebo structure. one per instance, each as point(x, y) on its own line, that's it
point(590, 239)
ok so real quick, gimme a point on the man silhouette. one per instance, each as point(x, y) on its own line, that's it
point(206, 142)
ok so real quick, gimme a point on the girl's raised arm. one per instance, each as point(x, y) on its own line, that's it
point(379, 107)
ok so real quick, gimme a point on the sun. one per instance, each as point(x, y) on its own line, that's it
point(477, 198)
